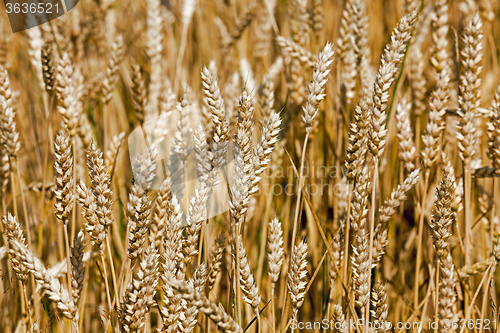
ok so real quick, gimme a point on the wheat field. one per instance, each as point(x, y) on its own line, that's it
point(252, 166)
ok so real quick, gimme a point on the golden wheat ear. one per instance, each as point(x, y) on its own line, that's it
point(215, 312)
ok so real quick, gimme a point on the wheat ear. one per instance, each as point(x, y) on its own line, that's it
point(295, 278)
point(8, 132)
point(361, 270)
point(96, 201)
point(111, 155)
point(358, 138)
point(50, 285)
point(477, 268)
point(139, 205)
point(440, 54)
point(398, 196)
point(196, 216)
point(315, 90)
point(296, 51)
point(469, 100)
point(217, 108)
point(391, 62)
point(211, 309)
point(111, 78)
point(493, 126)
point(48, 67)
point(406, 148)
point(443, 216)
point(215, 260)
point(171, 308)
point(77, 269)
point(263, 150)
point(139, 295)
point(64, 177)
point(66, 94)
point(191, 312)
point(379, 303)
point(15, 233)
point(138, 93)
point(435, 122)
point(339, 317)
point(447, 307)
point(248, 285)
point(360, 200)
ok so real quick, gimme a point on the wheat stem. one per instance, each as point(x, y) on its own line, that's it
point(371, 236)
point(112, 267)
point(108, 295)
point(420, 237)
point(68, 258)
